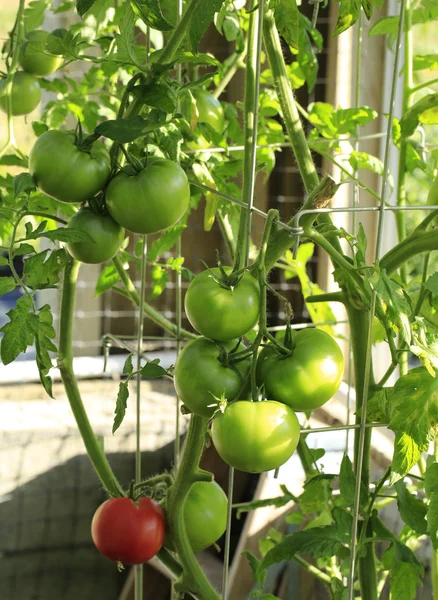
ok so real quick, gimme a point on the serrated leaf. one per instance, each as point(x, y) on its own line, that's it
point(403, 581)
point(347, 484)
point(165, 242)
point(44, 335)
point(348, 15)
point(23, 249)
point(152, 370)
point(121, 404)
point(12, 160)
point(204, 176)
point(431, 479)
point(287, 19)
point(42, 270)
point(396, 302)
point(82, 6)
point(62, 234)
point(423, 111)
point(426, 61)
point(128, 367)
point(23, 184)
point(107, 279)
point(258, 573)
point(432, 520)
point(385, 26)
point(150, 13)
point(126, 130)
point(34, 14)
point(432, 284)
point(412, 510)
point(278, 502)
point(19, 332)
point(157, 95)
point(201, 19)
point(7, 284)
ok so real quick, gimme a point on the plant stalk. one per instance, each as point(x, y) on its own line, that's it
point(65, 365)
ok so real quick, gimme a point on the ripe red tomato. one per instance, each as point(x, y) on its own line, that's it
point(127, 532)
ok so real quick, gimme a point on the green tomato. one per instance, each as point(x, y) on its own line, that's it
point(151, 200)
point(210, 110)
point(308, 377)
point(219, 313)
point(25, 94)
point(200, 376)
point(64, 171)
point(432, 197)
point(33, 59)
point(205, 514)
point(107, 237)
point(256, 436)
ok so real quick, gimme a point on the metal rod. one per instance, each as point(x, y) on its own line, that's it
point(307, 431)
point(367, 367)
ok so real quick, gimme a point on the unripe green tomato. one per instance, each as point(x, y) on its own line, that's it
point(205, 514)
point(25, 94)
point(107, 237)
point(432, 197)
point(35, 61)
point(151, 200)
point(255, 436)
point(200, 377)
point(308, 377)
point(210, 110)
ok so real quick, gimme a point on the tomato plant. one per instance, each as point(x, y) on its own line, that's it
point(204, 373)
point(25, 95)
point(66, 171)
point(150, 200)
point(127, 532)
point(308, 376)
point(212, 304)
point(256, 436)
point(35, 60)
point(106, 237)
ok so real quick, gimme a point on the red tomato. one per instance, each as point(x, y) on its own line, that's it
point(127, 532)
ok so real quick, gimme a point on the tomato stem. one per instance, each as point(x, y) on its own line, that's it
point(65, 365)
point(193, 578)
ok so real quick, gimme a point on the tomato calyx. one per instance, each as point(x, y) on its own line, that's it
point(135, 165)
point(228, 281)
point(84, 143)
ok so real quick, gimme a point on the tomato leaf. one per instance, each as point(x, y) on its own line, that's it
point(424, 344)
point(287, 19)
point(348, 15)
point(127, 367)
point(62, 234)
point(107, 279)
point(127, 130)
point(23, 184)
point(43, 274)
point(150, 13)
point(44, 335)
point(423, 111)
point(12, 160)
point(165, 242)
point(19, 332)
point(159, 280)
point(201, 19)
point(426, 61)
point(34, 14)
point(431, 488)
point(157, 95)
point(121, 404)
point(403, 581)
point(432, 284)
point(82, 6)
point(347, 484)
point(412, 510)
point(186, 57)
point(255, 564)
point(23, 249)
point(7, 284)
point(152, 370)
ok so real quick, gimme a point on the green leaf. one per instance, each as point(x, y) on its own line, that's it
point(432, 520)
point(23, 184)
point(7, 284)
point(19, 332)
point(150, 13)
point(121, 404)
point(347, 484)
point(62, 234)
point(423, 111)
point(107, 279)
point(165, 242)
point(287, 19)
point(431, 479)
point(187, 57)
point(385, 26)
point(201, 19)
point(42, 274)
point(432, 284)
point(82, 6)
point(348, 15)
point(258, 573)
point(159, 280)
point(363, 160)
point(125, 39)
point(403, 581)
point(34, 14)
point(157, 95)
point(152, 370)
point(44, 335)
point(127, 367)
point(126, 130)
point(398, 308)
point(23, 249)
point(424, 344)
point(278, 502)
point(412, 510)
point(12, 160)
point(319, 542)
point(426, 61)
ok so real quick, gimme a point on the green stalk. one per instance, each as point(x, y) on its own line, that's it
point(65, 365)
point(411, 246)
point(179, 32)
point(252, 78)
point(435, 554)
point(153, 314)
point(193, 578)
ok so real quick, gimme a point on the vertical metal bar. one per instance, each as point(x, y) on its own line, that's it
point(139, 568)
point(355, 203)
point(228, 533)
point(373, 308)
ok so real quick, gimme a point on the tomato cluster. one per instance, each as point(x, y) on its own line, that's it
point(35, 62)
